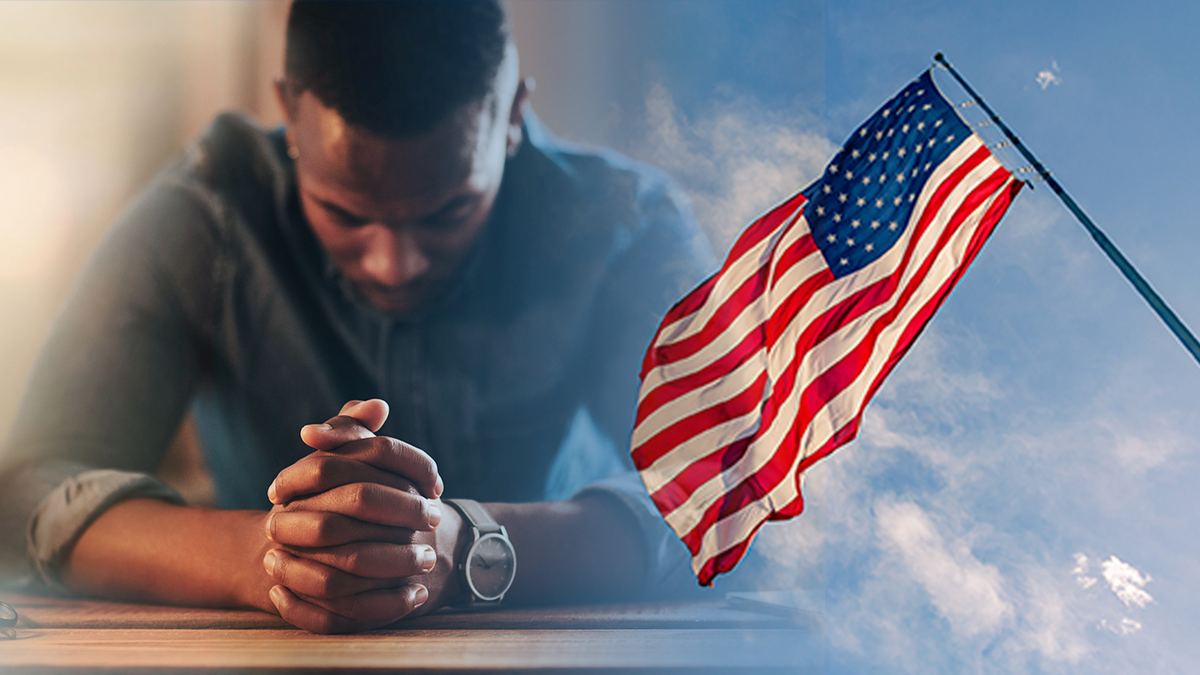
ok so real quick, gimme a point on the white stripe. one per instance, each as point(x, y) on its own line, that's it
point(746, 266)
point(820, 358)
point(848, 403)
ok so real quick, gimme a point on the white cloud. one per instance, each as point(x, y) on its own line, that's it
point(966, 592)
point(1080, 572)
point(1124, 627)
point(1047, 77)
point(1126, 582)
point(736, 161)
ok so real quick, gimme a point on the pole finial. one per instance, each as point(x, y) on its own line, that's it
point(940, 58)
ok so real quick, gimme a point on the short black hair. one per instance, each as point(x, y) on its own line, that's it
point(395, 68)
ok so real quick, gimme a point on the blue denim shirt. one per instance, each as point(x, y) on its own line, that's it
point(212, 294)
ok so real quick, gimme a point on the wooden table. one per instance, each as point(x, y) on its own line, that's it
point(75, 636)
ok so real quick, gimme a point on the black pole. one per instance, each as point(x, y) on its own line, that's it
point(1156, 303)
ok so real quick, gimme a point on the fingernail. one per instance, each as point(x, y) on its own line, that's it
point(271, 492)
point(433, 513)
point(276, 595)
point(419, 597)
point(439, 487)
point(428, 559)
point(270, 560)
point(271, 527)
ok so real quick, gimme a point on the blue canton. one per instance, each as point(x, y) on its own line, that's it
point(862, 204)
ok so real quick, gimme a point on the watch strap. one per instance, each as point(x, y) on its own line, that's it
point(475, 514)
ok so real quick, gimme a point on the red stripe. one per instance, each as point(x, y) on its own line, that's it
point(680, 431)
point(832, 381)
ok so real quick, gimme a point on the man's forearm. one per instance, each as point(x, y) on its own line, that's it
point(585, 549)
point(146, 549)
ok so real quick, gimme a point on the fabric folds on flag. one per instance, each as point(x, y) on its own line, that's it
point(767, 367)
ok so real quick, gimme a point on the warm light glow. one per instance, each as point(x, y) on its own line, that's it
point(35, 213)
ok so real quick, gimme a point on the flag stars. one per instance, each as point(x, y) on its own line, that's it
point(879, 203)
point(882, 178)
point(849, 175)
point(904, 129)
point(855, 153)
point(926, 107)
point(874, 224)
point(861, 201)
point(892, 226)
point(920, 126)
point(912, 196)
point(950, 138)
point(826, 189)
point(896, 201)
point(837, 217)
point(869, 247)
point(844, 261)
point(879, 135)
point(849, 242)
point(855, 223)
point(863, 132)
point(872, 157)
point(938, 123)
point(820, 210)
point(866, 180)
point(843, 197)
point(901, 153)
point(831, 238)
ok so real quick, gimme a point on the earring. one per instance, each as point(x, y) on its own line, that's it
point(293, 152)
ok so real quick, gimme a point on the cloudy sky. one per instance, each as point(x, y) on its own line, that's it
point(1021, 497)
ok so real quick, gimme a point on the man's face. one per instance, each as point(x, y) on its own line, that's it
point(399, 216)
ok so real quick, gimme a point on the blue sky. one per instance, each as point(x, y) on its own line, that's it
point(1021, 496)
point(1031, 464)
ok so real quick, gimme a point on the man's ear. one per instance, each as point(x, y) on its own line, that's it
point(516, 114)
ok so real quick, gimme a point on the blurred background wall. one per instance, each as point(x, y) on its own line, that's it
point(96, 96)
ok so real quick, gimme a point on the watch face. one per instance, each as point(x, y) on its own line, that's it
point(491, 566)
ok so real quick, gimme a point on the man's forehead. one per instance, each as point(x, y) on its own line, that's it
point(341, 157)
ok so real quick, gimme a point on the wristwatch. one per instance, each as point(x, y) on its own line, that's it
point(490, 564)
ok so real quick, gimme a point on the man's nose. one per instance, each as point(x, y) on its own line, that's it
point(393, 257)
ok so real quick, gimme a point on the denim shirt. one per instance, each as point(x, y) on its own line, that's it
point(212, 295)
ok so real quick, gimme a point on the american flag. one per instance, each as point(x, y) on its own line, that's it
point(767, 366)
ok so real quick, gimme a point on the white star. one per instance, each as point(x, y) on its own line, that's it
point(871, 157)
point(901, 152)
point(892, 225)
point(896, 201)
point(831, 238)
point(890, 132)
point(938, 123)
point(887, 112)
point(855, 153)
point(820, 210)
point(866, 180)
point(879, 135)
point(833, 168)
point(855, 223)
point(927, 165)
point(920, 126)
point(879, 203)
point(862, 132)
point(886, 155)
point(849, 175)
point(849, 242)
point(900, 177)
point(869, 247)
point(844, 261)
point(874, 224)
point(837, 217)
point(950, 138)
point(826, 189)
point(904, 129)
point(861, 201)
point(842, 198)
point(911, 108)
point(926, 107)
point(920, 92)
point(882, 178)
point(912, 196)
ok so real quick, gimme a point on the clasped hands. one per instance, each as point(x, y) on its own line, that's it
point(358, 537)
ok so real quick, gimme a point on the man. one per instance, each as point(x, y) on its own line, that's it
point(414, 236)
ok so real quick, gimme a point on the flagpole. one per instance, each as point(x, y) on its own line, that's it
point(1143, 287)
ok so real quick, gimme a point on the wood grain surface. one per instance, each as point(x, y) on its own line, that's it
point(70, 636)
